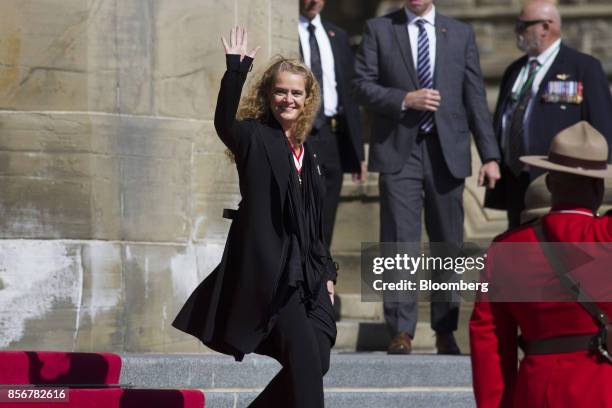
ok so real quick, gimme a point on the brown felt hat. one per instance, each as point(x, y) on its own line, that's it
point(579, 149)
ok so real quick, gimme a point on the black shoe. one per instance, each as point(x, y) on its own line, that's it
point(446, 344)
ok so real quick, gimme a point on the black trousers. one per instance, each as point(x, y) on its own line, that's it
point(424, 182)
point(300, 344)
point(515, 189)
point(325, 144)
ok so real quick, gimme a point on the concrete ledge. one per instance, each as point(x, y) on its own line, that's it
point(365, 398)
point(348, 370)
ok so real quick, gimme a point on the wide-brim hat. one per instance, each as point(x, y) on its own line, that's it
point(580, 149)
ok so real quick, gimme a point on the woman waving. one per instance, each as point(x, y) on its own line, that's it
point(272, 293)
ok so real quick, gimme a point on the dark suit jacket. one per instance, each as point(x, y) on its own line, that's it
point(230, 310)
point(548, 119)
point(351, 140)
point(385, 72)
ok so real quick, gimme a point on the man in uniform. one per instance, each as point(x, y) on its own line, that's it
point(562, 366)
point(548, 89)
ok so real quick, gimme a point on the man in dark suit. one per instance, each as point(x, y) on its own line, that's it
point(419, 73)
point(336, 135)
point(549, 89)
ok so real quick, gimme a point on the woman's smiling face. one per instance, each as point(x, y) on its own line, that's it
point(287, 97)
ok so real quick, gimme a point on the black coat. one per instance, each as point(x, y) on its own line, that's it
point(230, 310)
point(350, 138)
point(547, 119)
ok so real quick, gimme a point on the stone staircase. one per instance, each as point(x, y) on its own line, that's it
point(362, 327)
point(354, 379)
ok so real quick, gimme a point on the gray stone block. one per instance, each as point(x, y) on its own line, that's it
point(348, 370)
point(352, 399)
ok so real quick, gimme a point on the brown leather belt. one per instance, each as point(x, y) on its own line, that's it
point(556, 345)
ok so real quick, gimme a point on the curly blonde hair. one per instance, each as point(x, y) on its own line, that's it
point(256, 103)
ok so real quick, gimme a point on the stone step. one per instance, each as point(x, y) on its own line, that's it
point(367, 397)
point(354, 379)
point(362, 328)
point(350, 306)
point(348, 371)
point(364, 335)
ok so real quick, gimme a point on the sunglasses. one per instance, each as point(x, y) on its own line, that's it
point(522, 25)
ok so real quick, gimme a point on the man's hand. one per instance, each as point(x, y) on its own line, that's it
point(330, 291)
point(423, 100)
point(238, 43)
point(362, 175)
point(490, 172)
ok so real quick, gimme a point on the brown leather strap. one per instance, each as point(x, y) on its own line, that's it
point(568, 282)
point(556, 345)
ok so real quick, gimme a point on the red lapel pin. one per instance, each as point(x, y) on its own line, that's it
point(331, 33)
point(443, 30)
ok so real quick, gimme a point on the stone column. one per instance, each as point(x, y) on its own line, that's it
point(112, 179)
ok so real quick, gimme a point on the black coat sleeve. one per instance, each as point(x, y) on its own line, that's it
point(355, 118)
point(331, 270)
point(232, 132)
point(598, 101)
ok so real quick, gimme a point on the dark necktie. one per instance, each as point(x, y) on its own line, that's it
point(317, 70)
point(426, 122)
point(315, 56)
point(515, 137)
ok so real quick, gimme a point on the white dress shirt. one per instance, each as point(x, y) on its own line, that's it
point(330, 93)
point(413, 34)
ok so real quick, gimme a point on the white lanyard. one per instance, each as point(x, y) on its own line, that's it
point(573, 212)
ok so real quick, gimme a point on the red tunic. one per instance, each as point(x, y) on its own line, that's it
point(554, 380)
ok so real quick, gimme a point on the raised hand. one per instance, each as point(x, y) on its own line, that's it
point(238, 43)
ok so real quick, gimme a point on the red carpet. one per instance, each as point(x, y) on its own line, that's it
point(83, 370)
point(120, 398)
point(48, 367)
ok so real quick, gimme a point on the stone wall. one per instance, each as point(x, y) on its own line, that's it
point(112, 180)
